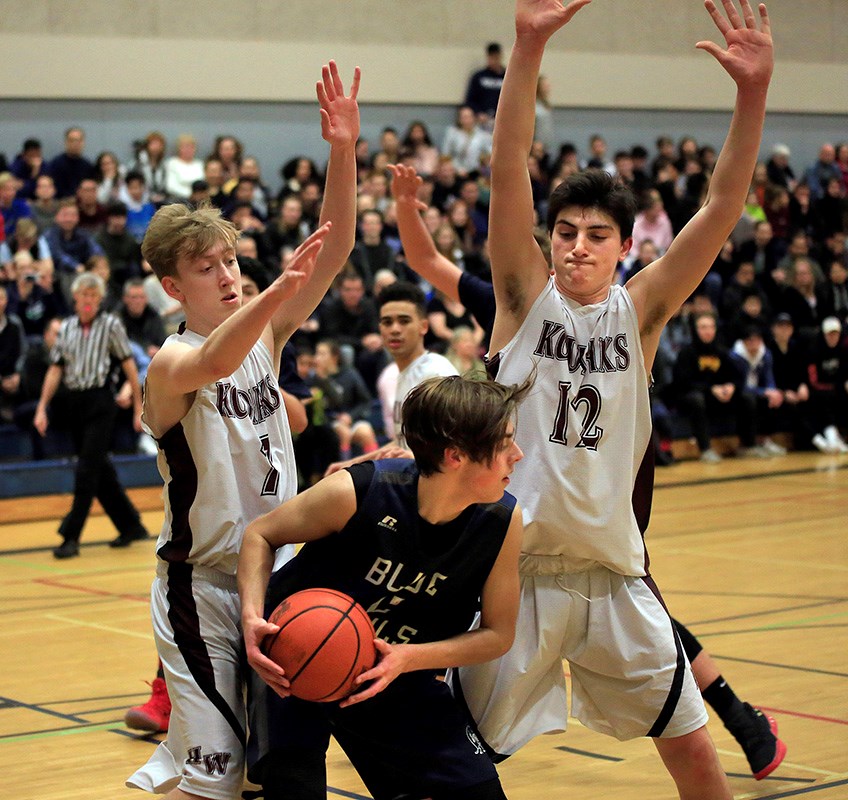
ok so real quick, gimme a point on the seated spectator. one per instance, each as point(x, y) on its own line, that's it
point(143, 324)
point(347, 401)
point(756, 367)
point(804, 299)
point(464, 353)
point(29, 301)
point(111, 300)
point(70, 247)
point(288, 228)
point(242, 194)
point(466, 142)
point(707, 387)
point(213, 176)
point(778, 169)
point(371, 253)
point(109, 174)
point(228, 150)
point(740, 286)
point(836, 290)
point(297, 172)
point(801, 210)
point(25, 239)
point(828, 376)
point(829, 210)
point(598, 157)
point(750, 315)
point(445, 184)
point(150, 162)
point(92, 213)
point(27, 166)
point(425, 155)
point(12, 352)
point(790, 377)
point(351, 318)
point(776, 206)
point(140, 206)
point(121, 248)
point(653, 223)
point(70, 167)
point(821, 171)
point(646, 254)
point(44, 206)
point(12, 207)
point(183, 169)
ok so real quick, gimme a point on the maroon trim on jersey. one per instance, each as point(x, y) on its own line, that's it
point(676, 688)
point(493, 365)
point(182, 492)
point(643, 495)
point(185, 623)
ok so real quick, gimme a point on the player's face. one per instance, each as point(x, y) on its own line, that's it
point(208, 286)
point(489, 480)
point(586, 247)
point(402, 329)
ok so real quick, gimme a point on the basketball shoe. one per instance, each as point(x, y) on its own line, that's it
point(155, 714)
point(757, 736)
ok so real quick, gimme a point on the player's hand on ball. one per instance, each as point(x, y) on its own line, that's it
point(393, 661)
point(255, 630)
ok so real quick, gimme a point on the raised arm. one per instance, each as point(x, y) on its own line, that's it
point(418, 245)
point(317, 512)
point(661, 288)
point(518, 266)
point(339, 127)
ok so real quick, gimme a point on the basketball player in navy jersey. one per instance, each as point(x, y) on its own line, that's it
point(422, 545)
point(587, 594)
point(214, 407)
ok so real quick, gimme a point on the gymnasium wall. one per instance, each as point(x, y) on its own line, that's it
point(248, 67)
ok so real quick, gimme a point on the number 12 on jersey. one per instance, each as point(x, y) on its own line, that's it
point(589, 398)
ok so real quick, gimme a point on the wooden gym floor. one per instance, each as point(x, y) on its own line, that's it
point(752, 555)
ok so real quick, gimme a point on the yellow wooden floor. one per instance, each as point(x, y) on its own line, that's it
point(752, 555)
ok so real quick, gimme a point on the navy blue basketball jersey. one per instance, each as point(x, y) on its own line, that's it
point(418, 582)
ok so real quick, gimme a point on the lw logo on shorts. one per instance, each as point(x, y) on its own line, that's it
point(215, 763)
point(479, 750)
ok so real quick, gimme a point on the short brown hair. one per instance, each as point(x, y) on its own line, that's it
point(470, 415)
point(176, 231)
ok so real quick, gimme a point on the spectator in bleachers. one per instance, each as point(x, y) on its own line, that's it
point(836, 290)
point(763, 251)
point(120, 247)
point(213, 176)
point(45, 205)
point(740, 286)
point(756, 367)
point(243, 193)
point(828, 377)
point(27, 166)
point(804, 298)
point(444, 316)
point(139, 203)
point(389, 145)
point(99, 266)
point(484, 86)
point(70, 167)
point(790, 377)
point(229, 151)
point(29, 301)
point(92, 213)
point(466, 142)
point(445, 184)
point(801, 210)
point(776, 207)
point(12, 207)
point(150, 162)
point(351, 317)
point(288, 228)
point(653, 223)
point(183, 168)
point(311, 197)
point(425, 155)
point(143, 324)
point(296, 172)
point(70, 247)
point(598, 157)
point(25, 239)
point(109, 175)
point(12, 352)
point(464, 353)
point(707, 387)
point(750, 316)
point(821, 171)
point(261, 199)
point(370, 252)
point(779, 172)
point(829, 210)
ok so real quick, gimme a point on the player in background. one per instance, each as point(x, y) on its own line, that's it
point(587, 593)
point(213, 405)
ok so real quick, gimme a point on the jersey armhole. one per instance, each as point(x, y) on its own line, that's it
point(362, 475)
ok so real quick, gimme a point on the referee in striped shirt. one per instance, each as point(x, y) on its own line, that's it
point(82, 360)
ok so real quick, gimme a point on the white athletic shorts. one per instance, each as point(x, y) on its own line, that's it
point(629, 674)
point(197, 626)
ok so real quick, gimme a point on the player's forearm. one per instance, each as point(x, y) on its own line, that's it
point(50, 386)
point(472, 647)
point(421, 253)
point(254, 571)
point(338, 207)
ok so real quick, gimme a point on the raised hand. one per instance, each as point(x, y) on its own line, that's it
point(339, 114)
point(749, 56)
point(542, 18)
point(405, 185)
point(300, 268)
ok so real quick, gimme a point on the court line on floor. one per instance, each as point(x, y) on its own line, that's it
point(54, 584)
point(804, 790)
point(751, 476)
point(99, 627)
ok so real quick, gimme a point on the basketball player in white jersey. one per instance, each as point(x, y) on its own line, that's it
point(585, 483)
point(225, 453)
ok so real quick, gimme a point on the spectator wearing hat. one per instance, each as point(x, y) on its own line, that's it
point(789, 360)
point(778, 170)
point(828, 376)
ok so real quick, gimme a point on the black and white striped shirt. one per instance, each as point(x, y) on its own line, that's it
point(85, 355)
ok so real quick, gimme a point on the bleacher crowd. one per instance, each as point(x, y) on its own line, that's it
point(760, 348)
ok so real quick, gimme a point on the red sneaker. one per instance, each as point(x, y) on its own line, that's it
point(155, 714)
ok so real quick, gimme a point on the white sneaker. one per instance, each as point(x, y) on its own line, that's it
point(821, 444)
point(773, 448)
point(710, 456)
point(836, 442)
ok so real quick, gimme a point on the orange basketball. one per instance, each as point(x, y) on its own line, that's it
point(325, 641)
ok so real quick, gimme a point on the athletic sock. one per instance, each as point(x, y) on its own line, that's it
point(723, 701)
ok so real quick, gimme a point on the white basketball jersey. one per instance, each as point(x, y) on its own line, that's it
point(427, 365)
point(585, 428)
point(226, 462)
